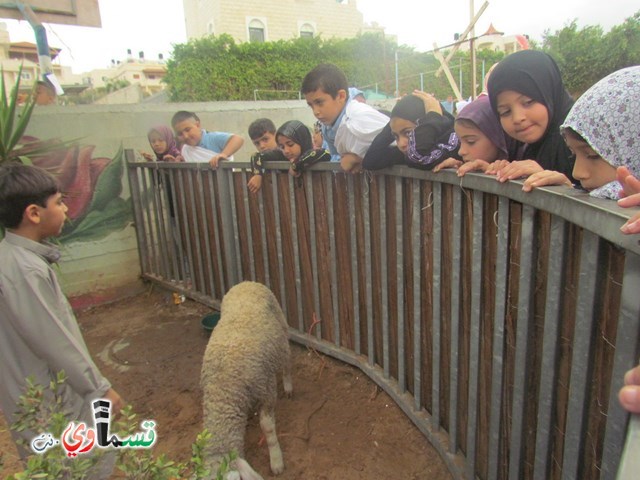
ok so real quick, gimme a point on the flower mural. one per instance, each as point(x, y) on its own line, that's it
point(91, 187)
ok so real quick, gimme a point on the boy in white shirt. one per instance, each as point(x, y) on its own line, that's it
point(348, 126)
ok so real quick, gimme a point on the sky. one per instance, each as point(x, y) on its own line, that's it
point(153, 26)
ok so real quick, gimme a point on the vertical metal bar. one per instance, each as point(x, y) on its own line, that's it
point(245, 199)
point(205, 226)
point(196, 235)
point(296, 251)
point(582, 348)
point(278, 220)
point(176, 247)
point(436, 204)
point(156, 207)
point(523, 334)
point(402, 381)
point(314, 254)
point(183, 202)
point(626, 356)
point(134, 187)
point(227, 210)
point(384, 276)
point(497, 366)
point(234, 226)
point(366, 213)
point(417, 318)
point(263, 239)
point(351, 212)
point(474, 337)
point(455, 320)
point(334, 249)
point(217, 234)
point(550, 341)
point(153, 255)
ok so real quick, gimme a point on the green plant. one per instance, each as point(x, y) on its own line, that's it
point(13, 120)
point(39, 410)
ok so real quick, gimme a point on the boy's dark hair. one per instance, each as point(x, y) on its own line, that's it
point(327, 77)
point(261, 126)
point(183, 115)
point(21, 186)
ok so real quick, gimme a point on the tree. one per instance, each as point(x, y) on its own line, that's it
point(586, 55)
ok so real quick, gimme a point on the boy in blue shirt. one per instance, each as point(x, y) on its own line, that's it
point(348, 126)
point(195, 138)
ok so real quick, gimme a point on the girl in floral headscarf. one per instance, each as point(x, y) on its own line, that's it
point(603, 133)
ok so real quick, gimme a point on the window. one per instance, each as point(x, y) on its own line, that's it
point(136, 76)
point(256, 31)
point(25, 75)
point(306, 31)
point(210, 28)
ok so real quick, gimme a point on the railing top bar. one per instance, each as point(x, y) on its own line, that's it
point(602, 217)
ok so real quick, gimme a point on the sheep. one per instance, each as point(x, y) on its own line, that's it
point(247, 348)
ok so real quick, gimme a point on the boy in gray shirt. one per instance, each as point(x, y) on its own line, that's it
point(39, 334)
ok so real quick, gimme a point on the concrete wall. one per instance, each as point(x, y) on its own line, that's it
point(103, 270)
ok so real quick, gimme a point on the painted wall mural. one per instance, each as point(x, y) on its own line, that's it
point(92, 188)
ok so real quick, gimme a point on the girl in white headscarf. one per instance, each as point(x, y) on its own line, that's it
point(602, 131)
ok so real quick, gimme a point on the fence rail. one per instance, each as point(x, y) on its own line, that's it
point(500, 322)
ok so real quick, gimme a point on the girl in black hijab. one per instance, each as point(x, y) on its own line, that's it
point(295, 142)
point(529, 98)
point(423, 132)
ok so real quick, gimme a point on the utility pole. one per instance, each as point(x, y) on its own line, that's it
point(472, 49)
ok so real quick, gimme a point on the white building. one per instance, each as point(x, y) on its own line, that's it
point(261, 21)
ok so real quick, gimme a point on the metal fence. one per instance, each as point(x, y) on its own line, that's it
point(500, 322)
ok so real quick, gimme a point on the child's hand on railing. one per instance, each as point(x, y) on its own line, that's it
point(629, 395)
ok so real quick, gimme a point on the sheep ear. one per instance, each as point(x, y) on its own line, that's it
point(245, 470)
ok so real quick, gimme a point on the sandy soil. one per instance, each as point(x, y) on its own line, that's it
point(338, 424)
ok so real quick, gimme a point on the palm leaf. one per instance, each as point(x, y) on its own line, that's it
point(12, 129)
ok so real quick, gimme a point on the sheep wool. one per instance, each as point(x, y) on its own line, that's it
point(246, 351)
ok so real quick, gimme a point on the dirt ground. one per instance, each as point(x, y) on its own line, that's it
point(338, 424)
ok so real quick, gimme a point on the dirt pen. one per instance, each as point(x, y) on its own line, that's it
point(500, 322)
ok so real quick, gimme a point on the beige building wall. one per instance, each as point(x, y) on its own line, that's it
point(281, 20)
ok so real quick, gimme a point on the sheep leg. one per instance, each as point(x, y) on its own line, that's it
point(286, 376)
point(268, 426)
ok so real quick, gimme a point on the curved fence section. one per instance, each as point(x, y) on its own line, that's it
point(500, 322)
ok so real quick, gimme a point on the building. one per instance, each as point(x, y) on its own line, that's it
point(25, 55)
point(262, 21)
point(139, 71)
point(494, 40)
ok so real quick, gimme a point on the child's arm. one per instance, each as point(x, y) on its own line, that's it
point(518, 169)
point(473, 166)
point(545, 178)
point(171, 158)
point(381, 152)
point(309, 158)
point(448, 163)
point(52, 333)
point(255, 183)
point(232, 146)
point(147, 156)
point(631, 192)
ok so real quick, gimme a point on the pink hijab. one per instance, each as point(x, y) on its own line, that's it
point(167, 135)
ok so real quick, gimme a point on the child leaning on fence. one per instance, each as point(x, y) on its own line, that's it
point(262, 133)
point(39, 334)
point(200, 145)
point(294, 139)
point(348, 126)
